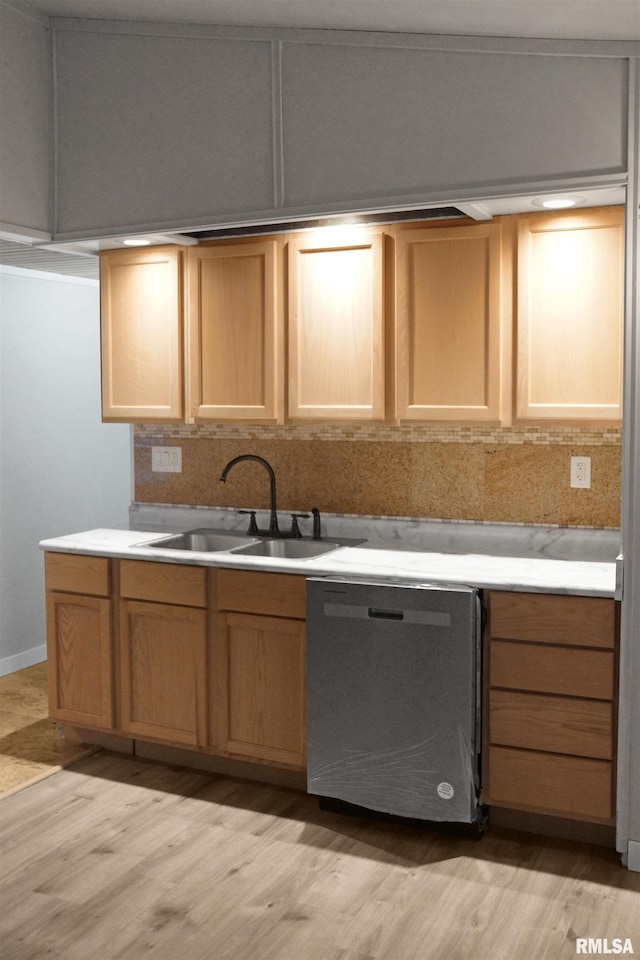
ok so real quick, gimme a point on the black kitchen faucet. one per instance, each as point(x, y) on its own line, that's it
point(274, 530)
point(273, 519)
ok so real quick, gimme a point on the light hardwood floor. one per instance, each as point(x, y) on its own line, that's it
point(120, 859)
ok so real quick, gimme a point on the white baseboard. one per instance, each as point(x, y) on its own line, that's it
point(21, 660)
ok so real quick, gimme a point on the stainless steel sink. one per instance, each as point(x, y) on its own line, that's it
point(204, 540)
point(292, 549)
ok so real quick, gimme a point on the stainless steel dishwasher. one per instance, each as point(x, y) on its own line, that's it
point(393, 697)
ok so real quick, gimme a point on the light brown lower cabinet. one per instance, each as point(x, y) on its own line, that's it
point(261, 703)
point(565, 786)
point(214, 660)
point(210, 660)
point(163, 662)
point(550, 716)
point(163, 651)
point(260, 666)
point(79, 639)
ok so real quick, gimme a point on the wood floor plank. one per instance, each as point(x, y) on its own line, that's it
point(118, 859)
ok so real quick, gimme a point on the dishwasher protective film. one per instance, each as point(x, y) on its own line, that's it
point(393, 697)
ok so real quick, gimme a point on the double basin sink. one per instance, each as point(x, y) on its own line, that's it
point(213, 541)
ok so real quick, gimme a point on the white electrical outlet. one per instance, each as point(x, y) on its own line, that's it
point(166, 459)
point(581, 472)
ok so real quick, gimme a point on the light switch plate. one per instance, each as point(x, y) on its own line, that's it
point(166, 459)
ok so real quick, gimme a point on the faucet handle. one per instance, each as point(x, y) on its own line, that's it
point(253, 526)
point(295, 529)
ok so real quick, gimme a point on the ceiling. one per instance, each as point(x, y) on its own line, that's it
point(553, 19)
point(25, 257)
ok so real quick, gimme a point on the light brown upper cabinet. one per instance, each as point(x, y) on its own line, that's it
point(141, 323)
point(444, 294)
point(570, 315)
point(336, 326)
point(235, 332)
point(448, 303)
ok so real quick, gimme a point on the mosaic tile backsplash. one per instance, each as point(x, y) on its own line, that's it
point(514, 475)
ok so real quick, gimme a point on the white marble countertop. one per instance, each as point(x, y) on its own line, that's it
point(396, 557)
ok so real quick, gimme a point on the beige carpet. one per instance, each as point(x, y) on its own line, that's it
point(31, 746)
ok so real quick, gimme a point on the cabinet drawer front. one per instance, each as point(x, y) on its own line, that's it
point(75, 573)
point(559, 724)
point(163, 582)
point(566, 786)
point(551, 618)
point(545, 669)
point(271, 594)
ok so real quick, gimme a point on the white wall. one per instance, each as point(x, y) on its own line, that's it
point(61, 469)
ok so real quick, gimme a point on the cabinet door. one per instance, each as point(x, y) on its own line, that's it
point(448, 321)
point(163, 671)
point(141, 322)
point(235, 330)
point(570, 315)
point(336, 327)
point(261, 692)
point(80, 659)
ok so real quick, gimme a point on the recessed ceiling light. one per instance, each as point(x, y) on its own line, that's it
point(136, 242)
point(559, 202)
